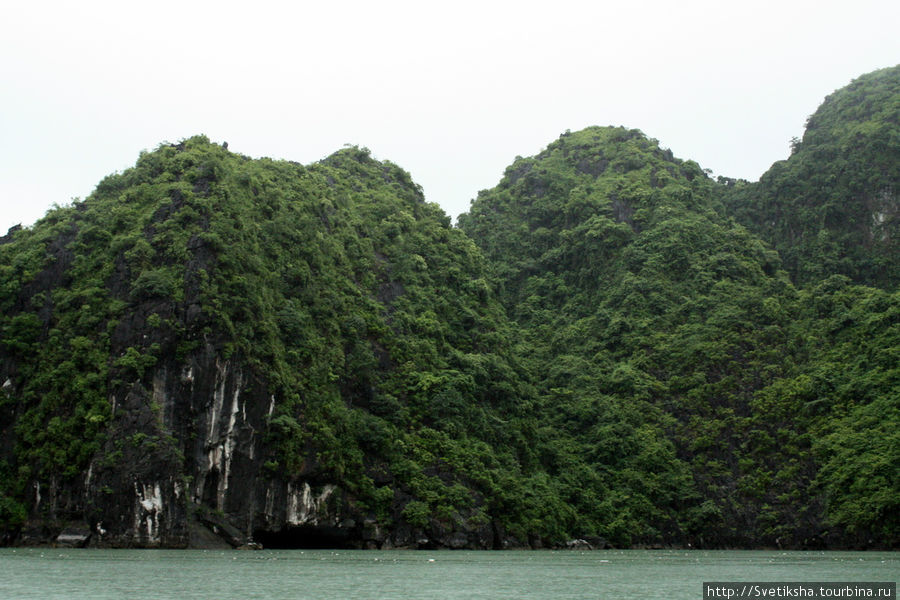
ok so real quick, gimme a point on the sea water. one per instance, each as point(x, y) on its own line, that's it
point(48, 573)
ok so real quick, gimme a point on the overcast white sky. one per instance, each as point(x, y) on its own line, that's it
point(452, 92)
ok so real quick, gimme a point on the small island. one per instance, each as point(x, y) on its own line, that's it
point(611, 349)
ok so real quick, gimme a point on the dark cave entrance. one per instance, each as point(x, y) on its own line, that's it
point(307, 537)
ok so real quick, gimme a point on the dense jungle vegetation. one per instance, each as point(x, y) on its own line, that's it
point(831, 207)
point(611, 345)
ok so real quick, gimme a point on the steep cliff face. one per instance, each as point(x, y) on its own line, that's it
point(195, 454)
point(832, 207)
point(184, 454)
point(212, 349)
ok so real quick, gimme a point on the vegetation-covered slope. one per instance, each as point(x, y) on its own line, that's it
point(354, 320)
point(667, 342)
point(611, 346)
point(832, 207)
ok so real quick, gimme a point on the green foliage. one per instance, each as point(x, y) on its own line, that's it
point(600, 349)
point(152, 284)
point(364, 314)
point(687, 390)
point(832, 207)
point(136, 363)
point(416, 513)
point(12, 511)
point(861, 474)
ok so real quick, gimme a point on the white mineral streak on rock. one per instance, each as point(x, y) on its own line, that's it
point(878, 230)
point(270, 503)
point(211, 443)
point(327, 490)
point(220, 444)
point(290, 511)
point(137, 511)
point(302, 507)
point(295, 501)
point(152, 498)
point(71, 538)
point(252, 450)
point(218, 401)
point(229, 443)
point(148, 510)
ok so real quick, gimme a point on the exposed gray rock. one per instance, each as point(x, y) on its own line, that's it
point(189, 471)
point(578, 544)
point(456, 541)
point(73, 537)
point(250, 546)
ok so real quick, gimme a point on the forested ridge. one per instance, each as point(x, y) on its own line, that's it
point(831, 207)
point(610, 347)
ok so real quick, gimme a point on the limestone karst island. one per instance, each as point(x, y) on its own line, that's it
point(610, 349)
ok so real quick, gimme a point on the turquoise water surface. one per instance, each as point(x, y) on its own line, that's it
point(348, 575)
